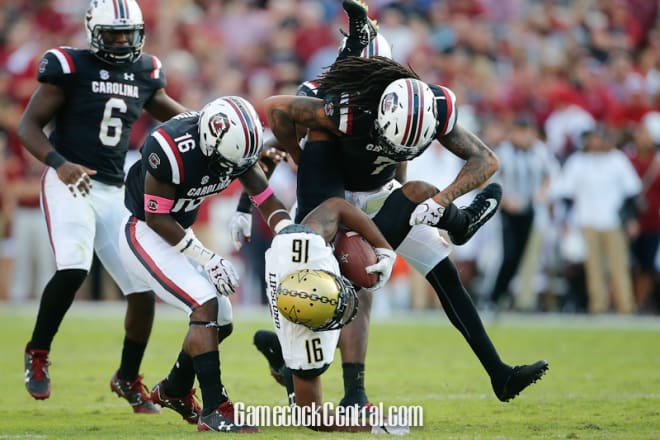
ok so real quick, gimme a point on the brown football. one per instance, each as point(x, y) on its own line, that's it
point(354, 254)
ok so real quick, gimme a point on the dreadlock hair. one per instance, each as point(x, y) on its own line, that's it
point(364, 79)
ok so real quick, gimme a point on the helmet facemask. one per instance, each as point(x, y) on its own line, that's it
point(105, 17)
point(399, 153)
point(118, 54)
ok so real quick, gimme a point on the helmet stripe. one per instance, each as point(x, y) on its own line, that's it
point(252, 128)
point(128, 11)
point(420, 112)
point(122, 14)
point(407, 132)
point(247, 124)
point(415, 113)
point(114, 5)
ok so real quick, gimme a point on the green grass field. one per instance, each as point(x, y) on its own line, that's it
point(603, 383)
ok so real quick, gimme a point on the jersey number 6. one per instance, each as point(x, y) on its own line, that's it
point(110, 131)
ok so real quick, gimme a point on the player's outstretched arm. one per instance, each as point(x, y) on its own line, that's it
point(333, 212)
point(271, 208)
point(287, 113)
point(480, 164)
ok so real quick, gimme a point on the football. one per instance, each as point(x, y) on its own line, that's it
point(354, 254)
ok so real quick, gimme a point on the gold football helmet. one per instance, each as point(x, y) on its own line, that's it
point(317, 299)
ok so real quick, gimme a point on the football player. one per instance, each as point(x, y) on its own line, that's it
point(184, 160)
point(374, 114)
point(310, 301)
point(93, 96)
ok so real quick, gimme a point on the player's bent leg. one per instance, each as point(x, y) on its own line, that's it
point(55, 301)
point(201, 344)
point(507, 382)
point(353, 347)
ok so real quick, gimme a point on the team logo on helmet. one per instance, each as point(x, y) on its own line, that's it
point(389, 102)
point(219, 125)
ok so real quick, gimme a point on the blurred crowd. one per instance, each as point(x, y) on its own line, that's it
point(566, 93)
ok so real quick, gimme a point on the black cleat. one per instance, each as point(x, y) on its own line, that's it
point(37, 380)
point(520, 378)
point(222, 420)
point(482, 208)
point(360, 26)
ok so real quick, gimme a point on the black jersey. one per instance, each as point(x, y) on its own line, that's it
point(171, 154)
point(364, 167)
point(102, 101)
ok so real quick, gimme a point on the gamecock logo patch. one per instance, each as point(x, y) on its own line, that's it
point(154, 160)
point(219, 125)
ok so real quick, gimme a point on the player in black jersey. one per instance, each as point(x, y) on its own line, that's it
point(375, 114)
point(92, 96)
point(186, 159)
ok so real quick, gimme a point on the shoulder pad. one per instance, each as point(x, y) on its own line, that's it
point(55, 64)
point(161, 157)
point(308, 88)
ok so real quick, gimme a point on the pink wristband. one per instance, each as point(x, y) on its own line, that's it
point(262, 196)
point(157, 205)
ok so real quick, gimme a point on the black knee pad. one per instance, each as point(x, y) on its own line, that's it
point(224, 331)
point(264, 339)
point(392, 219)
